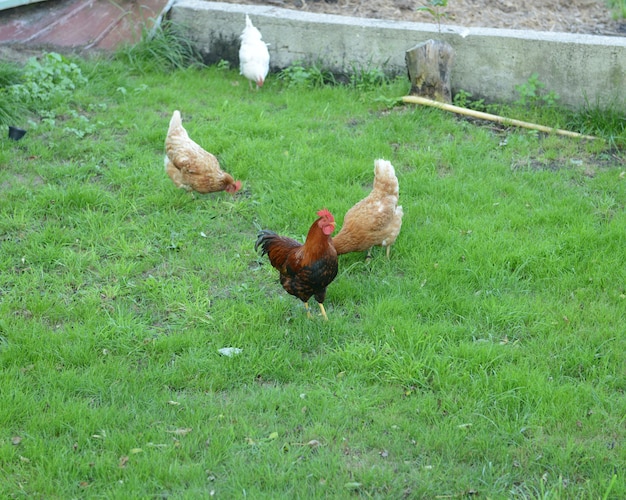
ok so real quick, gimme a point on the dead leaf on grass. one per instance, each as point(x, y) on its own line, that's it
point(16, 440)
point(123, 462)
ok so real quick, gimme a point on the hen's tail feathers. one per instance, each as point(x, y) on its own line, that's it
point(176, 120)
point(385, 177)
point(250, 32)
point(176, 126)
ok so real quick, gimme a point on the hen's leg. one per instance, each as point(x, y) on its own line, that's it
point(388, 248)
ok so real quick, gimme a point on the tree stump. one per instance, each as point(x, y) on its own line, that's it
point(429, 65)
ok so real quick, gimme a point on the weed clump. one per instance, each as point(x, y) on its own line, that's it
point(163, 48)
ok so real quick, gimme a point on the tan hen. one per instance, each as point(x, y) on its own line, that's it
point(192, 168)
point(376, 219)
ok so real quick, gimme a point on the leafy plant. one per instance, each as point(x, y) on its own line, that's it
point(295, 75)
point(312, 76)
point(80, 126)
point(44, 80)
point(361, 77)
point(436, 9)
point(532, 92)
point(464, 99)
point(223, 64)
point(42, 84)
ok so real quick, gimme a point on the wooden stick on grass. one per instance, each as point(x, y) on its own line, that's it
point(494, 118)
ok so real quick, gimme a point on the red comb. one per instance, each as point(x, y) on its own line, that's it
point(325, 213)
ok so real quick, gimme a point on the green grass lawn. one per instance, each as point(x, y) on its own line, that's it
point(486, 358)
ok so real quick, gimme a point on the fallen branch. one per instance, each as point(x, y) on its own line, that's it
point(494, 118)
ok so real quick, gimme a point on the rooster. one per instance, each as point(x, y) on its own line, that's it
point(305, 270)
point(254, 58)
point(376, 219)
point(192, 168)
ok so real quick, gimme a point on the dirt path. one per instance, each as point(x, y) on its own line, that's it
point(569, 16)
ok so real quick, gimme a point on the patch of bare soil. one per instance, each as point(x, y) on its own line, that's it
point(567, 16)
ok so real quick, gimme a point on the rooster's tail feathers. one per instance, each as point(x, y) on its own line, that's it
point(263, 240)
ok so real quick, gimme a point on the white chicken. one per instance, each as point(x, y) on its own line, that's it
point(254, 58)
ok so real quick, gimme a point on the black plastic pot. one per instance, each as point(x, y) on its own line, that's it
point(16, 133)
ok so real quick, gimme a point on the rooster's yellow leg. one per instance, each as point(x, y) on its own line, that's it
point(323, 311)
point(308, 311)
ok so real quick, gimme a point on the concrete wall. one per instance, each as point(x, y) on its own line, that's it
point(488, 63)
